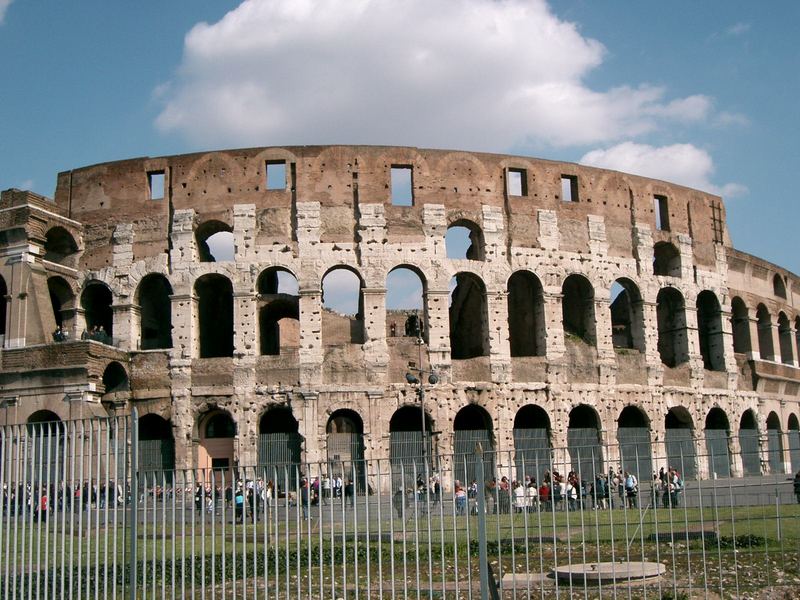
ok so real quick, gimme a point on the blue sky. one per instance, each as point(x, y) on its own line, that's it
point(698, 93)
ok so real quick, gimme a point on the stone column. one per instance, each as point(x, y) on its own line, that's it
point(184, 336)
point(499, 348)
point(553, 323)
point(438, 327)
point(245, 323)
point(311, 351)
point(125, 323)
point(376, 352)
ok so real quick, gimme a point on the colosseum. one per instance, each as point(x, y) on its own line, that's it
point(556, 305)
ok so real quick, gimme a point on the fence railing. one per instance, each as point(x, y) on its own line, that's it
point(80, 520)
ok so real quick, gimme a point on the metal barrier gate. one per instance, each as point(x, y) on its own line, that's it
point(81, 520)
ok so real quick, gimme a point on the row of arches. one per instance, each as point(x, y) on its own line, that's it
point(278, 312)
point(788, 337)
point(280, 441)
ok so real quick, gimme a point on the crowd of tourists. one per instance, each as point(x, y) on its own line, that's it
point(615, 489)
point(38, 500)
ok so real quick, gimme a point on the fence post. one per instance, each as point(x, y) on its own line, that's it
point(134, 495)
point(483, 554)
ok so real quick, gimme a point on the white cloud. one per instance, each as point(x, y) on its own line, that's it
point(4, 4)
point(683, 164)
point(478, 74)
point(738, 29)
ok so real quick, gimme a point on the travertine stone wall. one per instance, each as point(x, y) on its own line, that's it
point(336, 210)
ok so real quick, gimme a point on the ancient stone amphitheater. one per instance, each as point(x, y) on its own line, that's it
point(558, 305)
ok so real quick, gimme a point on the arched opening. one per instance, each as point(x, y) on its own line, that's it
point(469, 318)
point(583, 440)
point(405, 311)
point(408, 450)
point(46, 439)
point(59, 246)
point(766, 349)
point(217, 434)
point(342, 307)
point(155, 312)
point(778, 286)
point(526, 319)
point(279, 311)
point(666, 260)
point(709, 331)
point(279, 446)
point(345, 441)
point(215, 242)
point(740, 325)
point(96, 304)
point(115, 378)
point(748, 444)
point(577, 308)
point(793, 435)
point(464, 240)
point(215, 315)
point(627, 315)
point(63, 302)
point(156, 445)
point(717, 432)
point(679, 442)
point(3, 294)
point(673, 342)
point(532, 442)
point(785, 339)
point(774, 444)
point(633, 436)
point(472, 426)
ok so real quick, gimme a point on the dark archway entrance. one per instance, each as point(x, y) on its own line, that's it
point(774, 444)
point(679, 442)
point(217, 435)
point(717, 433)
point(532, 442)
point(279, 447)
point(472, 426)
point(345, 441)
point(96, 303)
point(46, 441)
point(215, 315)
point(583, 440)
point(526, 317)
point(407, 453)
point(156, 446)
point(793, 433)
point(155, 312)
point(633, 436)
point(748, 444)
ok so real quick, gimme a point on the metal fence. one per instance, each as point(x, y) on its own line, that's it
point(76, 524)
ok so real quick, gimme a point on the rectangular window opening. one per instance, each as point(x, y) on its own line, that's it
point(569, 188)
point(155, 183)
point(402, 185)
point(517, 182)
point(662, 212)
point(276, 174)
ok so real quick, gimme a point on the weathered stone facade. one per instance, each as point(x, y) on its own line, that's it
point(535, 319)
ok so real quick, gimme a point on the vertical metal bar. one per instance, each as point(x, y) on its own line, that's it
point(5, 505)
point(134, 516)
point(483, 554)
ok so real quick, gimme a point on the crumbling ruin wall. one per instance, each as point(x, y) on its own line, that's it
point(336, 206)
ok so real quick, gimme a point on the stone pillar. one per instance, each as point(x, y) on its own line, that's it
point(184, 337)
point(245, 323)
point(311, 351)
point(499, 348)
point(244, 229)
point(122, 249)
point(776, 341)
point(755, 348)
point(125, 323)
point(687, 257)
point(602, 319)
point(554, 327)
point(735, 455)
point(376, 352)
point(184, 248)
point(695, 358)
point(307, 414)
point(183, 418)
point(438, 326)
